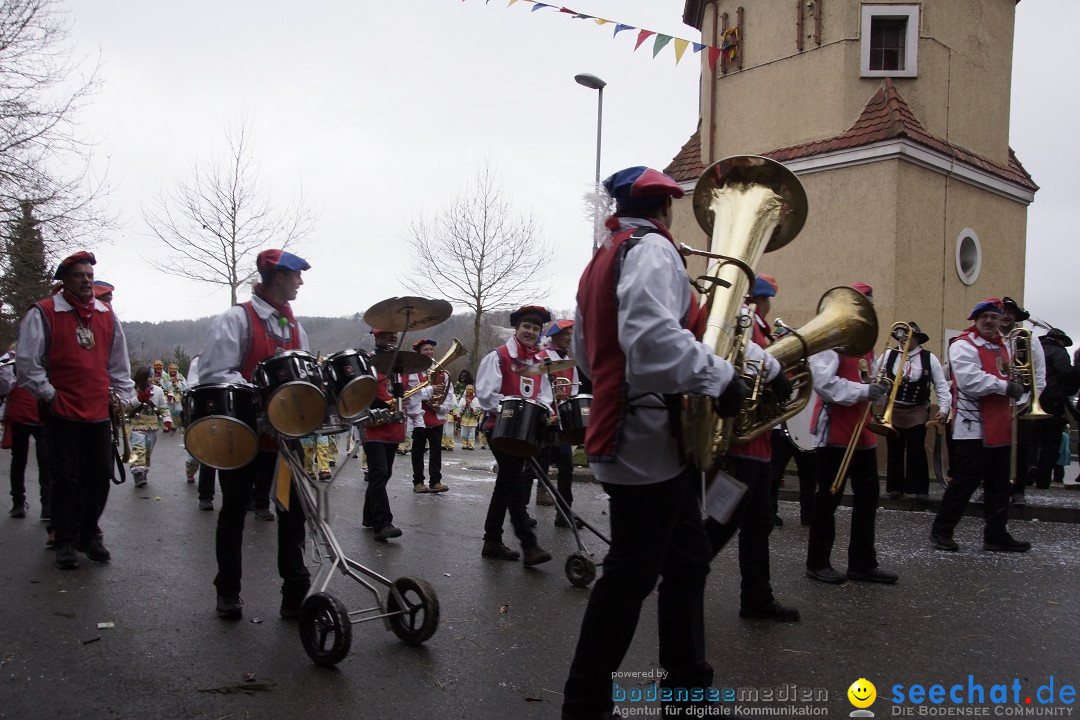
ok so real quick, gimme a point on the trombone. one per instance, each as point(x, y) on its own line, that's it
point(1018, 342)
point(882, 424)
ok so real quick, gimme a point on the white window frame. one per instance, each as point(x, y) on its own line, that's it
point(970, 276)
point(911, 39)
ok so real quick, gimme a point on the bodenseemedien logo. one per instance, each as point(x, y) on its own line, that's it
point(862, 694)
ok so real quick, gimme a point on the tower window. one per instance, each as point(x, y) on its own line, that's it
point(890, 40)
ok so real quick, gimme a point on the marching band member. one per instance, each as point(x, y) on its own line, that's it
point(207, 474)
point(844, 388)
point(632, 338)
point(71, 349)
point(236, 342)
point(751, 464)
point(22, 422)
point(152, 414)
point(1062, 382)
point(1023, 473)
point(561, 333)
point(982, 431)
point(495, 379)
point(428, 421)
point(907, 471)
point(380, 445)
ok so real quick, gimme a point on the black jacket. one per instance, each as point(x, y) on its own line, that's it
point(1062, 378)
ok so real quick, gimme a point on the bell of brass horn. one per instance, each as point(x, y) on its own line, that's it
point(748, 205)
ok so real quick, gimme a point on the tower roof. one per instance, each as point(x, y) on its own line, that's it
point(887, 116)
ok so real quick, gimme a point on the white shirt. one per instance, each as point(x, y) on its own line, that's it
point(229, 337)
point(7, 375)
point(913, 372)
point(661, 357)
point(414, 406)
point(33, 343)
point(972, 382)
point(833, 389)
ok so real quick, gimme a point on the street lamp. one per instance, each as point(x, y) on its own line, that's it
point(594, 83)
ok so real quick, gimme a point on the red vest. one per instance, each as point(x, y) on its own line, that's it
point(22, 407)
point(430, 418)
point(995, 410)
point(388, 432)
point(597, 304)
point(560, 391)
point(759, 448)
point(844, 418)
point(80, 376)
point(513, 384)
point(263, 344)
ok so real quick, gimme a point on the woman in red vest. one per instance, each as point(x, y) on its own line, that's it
point(21, 422)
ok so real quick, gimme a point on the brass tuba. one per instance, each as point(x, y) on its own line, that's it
point(748, 205)
point(457, 349)
point(846, 322)
point(1018, 342)
point(882, 424)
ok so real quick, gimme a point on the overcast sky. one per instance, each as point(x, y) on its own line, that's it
point(382, 111)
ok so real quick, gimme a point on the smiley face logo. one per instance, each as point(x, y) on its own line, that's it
point(862, 693)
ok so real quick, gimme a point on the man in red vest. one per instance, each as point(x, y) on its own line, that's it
point(497, 378)
point(381, 442)
point(71, 349)
point(428, 421)
point(567, 385)
point(844, 387)
point(236, 342)
point(21, 422)
point(633, 339)
point(982, 431)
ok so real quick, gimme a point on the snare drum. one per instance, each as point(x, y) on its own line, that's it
point(519, 427)
point(574, 418)
point(222, 425)
point(292, 392)
point(351, 380)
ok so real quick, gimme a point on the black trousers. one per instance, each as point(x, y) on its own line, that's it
point(207, 481)
point(1027, 446)
point(380, 463)
point(907, 471)
point(753, 519)
point(656, 534)
point(81, 465)
point(20, 453)
point(511, 494)
point(563, 458)
point(972, 464)
point(1049, 445)
point(236, 490)
point(806, 463)
point(862, 472)
point(432, 438)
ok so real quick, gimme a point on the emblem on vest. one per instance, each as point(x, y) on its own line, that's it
point(86, 337)
point(1002, 366)
point(864, 370)
point(526, 387)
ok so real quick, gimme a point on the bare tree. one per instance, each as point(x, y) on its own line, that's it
point(479, 254)
point(43, 160)
point(217, 222)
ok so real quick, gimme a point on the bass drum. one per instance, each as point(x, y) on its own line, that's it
point(222, 425)
point(797, 428)
point(351, 380)
point(291, 386)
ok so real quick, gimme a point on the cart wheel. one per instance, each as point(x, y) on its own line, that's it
point(580, 570)
point(417, 621)
point(325, 629)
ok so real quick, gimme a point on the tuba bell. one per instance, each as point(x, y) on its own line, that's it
point(1018, 342)
point(846, 322)
point(457, 349)
point(748, 206)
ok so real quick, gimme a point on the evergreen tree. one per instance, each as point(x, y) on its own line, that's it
point(26, 278)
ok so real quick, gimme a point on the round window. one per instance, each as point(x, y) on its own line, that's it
point(968, 256)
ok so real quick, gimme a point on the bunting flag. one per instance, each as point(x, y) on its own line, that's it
point(729, 42)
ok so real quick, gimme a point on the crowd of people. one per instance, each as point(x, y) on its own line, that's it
point(636, 344)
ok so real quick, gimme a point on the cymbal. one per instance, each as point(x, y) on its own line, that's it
point(404, 361)
point(547, 366)
point(403, 314)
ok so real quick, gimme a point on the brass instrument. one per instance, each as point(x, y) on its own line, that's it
point(845, 322)
point(882, 424)
point(1018, 342)
point(457, 349)
point(748, 205)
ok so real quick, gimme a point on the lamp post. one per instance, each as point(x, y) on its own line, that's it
point(594, 83)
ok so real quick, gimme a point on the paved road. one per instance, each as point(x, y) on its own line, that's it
point(507, 633)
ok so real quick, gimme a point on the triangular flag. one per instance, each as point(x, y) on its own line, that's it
point(619, 27)
point(568, 11)
point(661, 41)
point(698, 47)
point(602, 21)
point(511, 3)
point(642, 36)
point(714, 52)
point(680, 48)
point(537, 6)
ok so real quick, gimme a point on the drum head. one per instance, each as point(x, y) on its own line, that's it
point(355, 397)
point(798, 427)
point(296, 409)
point(221, 442)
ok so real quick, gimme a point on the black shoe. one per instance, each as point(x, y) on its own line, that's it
point(1018, 499)
point(777, 521)
point(264, 514)
point(532, 521)
point(874, 575)
point(895, 495)
point(1006, 544)
point(560, 521)
point(943, 542)
point(771, 611)
point(498, 551)
point(386, 532)
point(95, 550)
point(66, 559)
point(207, 505)
point(46, 514)
point(535, 555)
point(826, 575)
point(19, 510)
point(230, 607)
point(292, 597)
